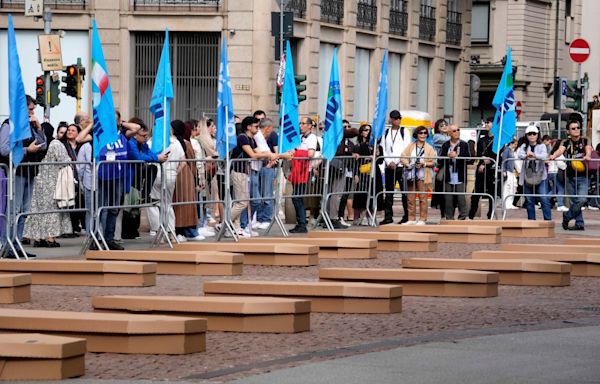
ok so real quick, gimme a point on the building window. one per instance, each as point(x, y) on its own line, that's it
point(449, 75)
point(427, 25)
point(54, 4)
point(194, 67)
point(325, 57)
point(394, 72)
point(366, 16)
point(332, 11)
point(398, 17)
point(298, 7)
point(423, 84)
point(480, 23)
point(361, 84)
point(453, 24)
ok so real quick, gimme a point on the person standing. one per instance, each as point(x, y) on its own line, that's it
point(455, 174)
point(394, 142)
point(576, 149)
point(485, 177)
point(268, 172)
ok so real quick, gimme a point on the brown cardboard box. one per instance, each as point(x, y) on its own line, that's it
point(469, 234)
point(112, 332)
point(83, 272)
point(223, 313)
point(15, 288)
point(583, 264)
point(512, 272)
point(263, 253)
point(329, 248)
point(325, 297)
point(582, 241)
point(515, 228)
point(565, 248)
point(387, 241)
point(33, 356)
point(422, 282)
point(169, 262)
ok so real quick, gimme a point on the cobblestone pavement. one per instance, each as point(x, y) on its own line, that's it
point(234, 355)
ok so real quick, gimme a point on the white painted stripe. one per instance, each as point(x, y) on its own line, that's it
point(579, 51)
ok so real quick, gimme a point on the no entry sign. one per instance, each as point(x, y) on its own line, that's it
point(579, 50)
point(518, 109)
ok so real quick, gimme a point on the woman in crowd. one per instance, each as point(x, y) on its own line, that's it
point(362, 174)
point(509, 188)
point(77, 218)
point(418, 159)
point(215, 177)
point(440, 136)
point(533, 173)
point(558, 178)
point(202, 177)
point(44, 228)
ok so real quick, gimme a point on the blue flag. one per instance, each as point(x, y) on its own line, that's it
point(225, 115)
point(19, 115)
point(505, 121)
point(105, 122)
point(381, 104)
point(290, 130)
point(160, 104)
point(334, 131)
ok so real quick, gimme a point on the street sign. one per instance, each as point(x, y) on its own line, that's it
point(579, 50)
point(563, 93)
point(50, 53)
point(34, 8)
point(518, 109)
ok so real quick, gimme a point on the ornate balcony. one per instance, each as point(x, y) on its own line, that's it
point(54, 4)
point(427, 27)
point(298, 7)
point(175, 5)
point(332, 11)
point(398, 17)
point(453, 28)
point(366, 16)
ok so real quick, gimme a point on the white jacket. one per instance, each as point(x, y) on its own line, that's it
point(64, 194)
point(394, 144)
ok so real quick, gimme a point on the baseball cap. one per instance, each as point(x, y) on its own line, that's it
point(395, 114)
point(532, 128)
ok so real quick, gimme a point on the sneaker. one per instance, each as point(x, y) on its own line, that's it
point(298, 229)
point(565, 223)
point(592, 208)
point(562, 208)
point(181, 239)
point(577, 228)
point(386, 221)
point(152, 233)
point(250, 232)
point(263, 225)
point(420, 222)
point(242, 233)
point(114, 246)
point(212, 221)
point(207, 231)
point(336, 224)
point(344, 223)
point(197, 238)
point(411, 222)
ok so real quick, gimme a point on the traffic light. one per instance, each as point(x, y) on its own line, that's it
point(54, 90)
point(70, 81)
point(574, 95)
point(300, 87)
point(40, 91)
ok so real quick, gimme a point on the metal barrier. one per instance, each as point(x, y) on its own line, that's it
point(5, 209)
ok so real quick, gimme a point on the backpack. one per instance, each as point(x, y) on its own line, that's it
point(534, 171)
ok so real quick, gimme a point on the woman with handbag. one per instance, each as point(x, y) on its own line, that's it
point(534, 174)
point(418, 159)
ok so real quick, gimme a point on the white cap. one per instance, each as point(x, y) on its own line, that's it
point(532, 128)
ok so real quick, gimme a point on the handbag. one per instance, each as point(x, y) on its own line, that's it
point(365, 168)
point(439, 176)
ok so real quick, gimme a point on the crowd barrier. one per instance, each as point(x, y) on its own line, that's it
point(189, 186)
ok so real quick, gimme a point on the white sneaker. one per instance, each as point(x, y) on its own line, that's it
point(583, 208)
point(562, 208)
point(152, 233)
point(197, 238)
point(207, 232)
point(242, 233)
point(412, 222)
point(212, 221)
point(593, 208)
point(344, 223)
point(181, 239)
point(250, 232)
point(263, 225)
point(420, 222)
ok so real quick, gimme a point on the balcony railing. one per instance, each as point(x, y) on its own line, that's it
point(54, 4)
point(453, 28)
point(332, 11)
point(427, 26)
point(366, 16)
point(399, 17)
point(298, 7)
point(175, 5)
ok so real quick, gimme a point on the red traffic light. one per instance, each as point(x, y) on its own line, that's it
point(71, 70)
point(39, 81)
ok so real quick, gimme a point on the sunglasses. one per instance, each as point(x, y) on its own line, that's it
point(455, 130)
point(532, 133)
point(422, 133)
point(573, 128)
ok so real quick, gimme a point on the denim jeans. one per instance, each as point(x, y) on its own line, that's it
point(109, 195)
point(299, 189)
point(558, 189)
point(265, 207)
point(576, 186)
point(254, 193)
point(22, 202)
point(540, 189)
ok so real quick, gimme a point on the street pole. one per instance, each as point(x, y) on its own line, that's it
point(47, 30)
point(556, 26)
point(280, 29)
point(78, 100)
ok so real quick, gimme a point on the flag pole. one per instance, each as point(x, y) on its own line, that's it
point(496, 170)
point(279, 191)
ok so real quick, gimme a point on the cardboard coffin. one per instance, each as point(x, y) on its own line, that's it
point(263, 253)
point(583, 264)
point(469, 234)
point(386, 241)
point(329, 248)
point(223, 313)
point(422, 282)
point(113, 332)
point(325, 297)
point(33, 356)
point(169, 262)
point(514, 228)
point(83, 272)
point(590, 241)
point(15, 288)
point(511, 272)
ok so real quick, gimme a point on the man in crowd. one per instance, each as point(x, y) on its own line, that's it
point(576, 149)
point(485, 172)
point(267, 174)
point(455, 174)
point(308, 144)
point(394, 142)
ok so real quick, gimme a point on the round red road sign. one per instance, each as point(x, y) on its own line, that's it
point(579, 50)
point(518, 108)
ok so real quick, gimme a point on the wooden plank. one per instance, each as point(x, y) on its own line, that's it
point(223, 313)
point(589, 241)
point(422, 282)
point(511, 272)
point(566, 248)
point(468, 234)
point(262, 247)
point(325, 297)
point(329, 248)
point(514, 228)
point(387, 241)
